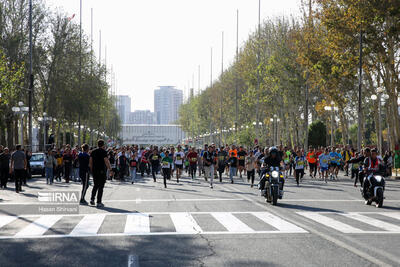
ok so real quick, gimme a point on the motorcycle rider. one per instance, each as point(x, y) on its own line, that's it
point(360, 159)
point(372, 165)
point(272, 160)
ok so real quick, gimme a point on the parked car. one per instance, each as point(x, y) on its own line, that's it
point(37, 164)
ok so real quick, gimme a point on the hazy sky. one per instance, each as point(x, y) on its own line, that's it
point(162, 42)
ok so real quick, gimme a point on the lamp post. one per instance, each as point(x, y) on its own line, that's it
point(256, 125)
point(21, 110)
point(45, 119)
point(272, 132)
point(331, 108)
point(379, 96)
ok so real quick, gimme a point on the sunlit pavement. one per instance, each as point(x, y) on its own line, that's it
point(189, 224)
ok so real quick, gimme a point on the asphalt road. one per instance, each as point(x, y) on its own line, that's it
point(189, 224)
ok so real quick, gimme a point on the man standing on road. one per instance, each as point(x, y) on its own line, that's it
point(49, 163)
point(84, 159)
point(67, 160)
point(4, 167)
point(98, 165)
point(18, 166)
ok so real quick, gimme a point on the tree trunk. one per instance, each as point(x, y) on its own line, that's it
point(10, 137)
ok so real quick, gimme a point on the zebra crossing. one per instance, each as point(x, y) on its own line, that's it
point(357, 222)
point(135, 224)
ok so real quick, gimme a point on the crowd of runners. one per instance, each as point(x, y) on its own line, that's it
point(126, 163)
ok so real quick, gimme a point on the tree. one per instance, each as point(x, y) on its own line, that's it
point(317, 134)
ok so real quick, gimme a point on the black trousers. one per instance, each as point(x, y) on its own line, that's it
point(166, 175)
point(19, 177)
point(99, 179)
point(192, 170)
point(221, 170)
point(4, 174)
point(154, 171)
point(67, 173)
point(122, 172)
point(85, 182)
point(299, 174)
point(250, 175)
point(313, 169)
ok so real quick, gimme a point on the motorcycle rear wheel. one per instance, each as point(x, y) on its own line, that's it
point(379, 198)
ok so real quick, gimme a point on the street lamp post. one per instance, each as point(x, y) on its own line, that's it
point(21, 110)
point(380, 95)
point(272, 132)
point(331, 108)
point(45, 119)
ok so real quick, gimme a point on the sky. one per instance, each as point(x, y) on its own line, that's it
point(151, 43)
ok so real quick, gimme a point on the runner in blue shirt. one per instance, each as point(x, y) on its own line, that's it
point(335, 163)
point(324, 162)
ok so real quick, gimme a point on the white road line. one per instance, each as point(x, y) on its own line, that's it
point(137, 223)
point(138, 200)
point(4, 220)
point(39, 226)
point(372, 221)
point(89, 225)
point(231, 223)
point(146, 234)
point(278, 223)
point(185, 223)
point(394, 215)
point(135, 200)
point(335, 224)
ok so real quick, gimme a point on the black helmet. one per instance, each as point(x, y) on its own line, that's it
point(273, 150)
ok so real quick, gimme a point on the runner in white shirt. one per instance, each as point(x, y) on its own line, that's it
point(179, 157)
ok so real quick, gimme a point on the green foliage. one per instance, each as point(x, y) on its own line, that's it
point(69, 82)
point(317, 134)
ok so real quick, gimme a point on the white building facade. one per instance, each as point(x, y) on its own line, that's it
point(142, 117)
point(139, 134)
point(167, 100)
point(123, 107)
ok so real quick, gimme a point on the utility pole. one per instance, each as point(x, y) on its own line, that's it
point(30, 101)
point(80, 73)
point(236, 72)
point(258, 70)
point(98, 105)
point(211, 82)
point(222, 91)
point(198, 92)
point(91, 68)
point(359, 95)
point(308, 75)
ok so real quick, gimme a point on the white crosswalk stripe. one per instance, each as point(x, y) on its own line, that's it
point(140, 224)
point(137, 223)
point(89, 225)
point(231, 223)
point(356, 218)
point(39, 226)
point(277, 222)
point(4, 220)
point(184, 223)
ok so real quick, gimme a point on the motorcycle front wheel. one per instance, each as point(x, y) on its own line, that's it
point(379, 198)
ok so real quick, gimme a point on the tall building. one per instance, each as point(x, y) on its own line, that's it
point(142, 117)
point(167, 100)
point(124, 107)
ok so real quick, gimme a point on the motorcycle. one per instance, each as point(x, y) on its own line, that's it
point(273, 189)
point(373, 189)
